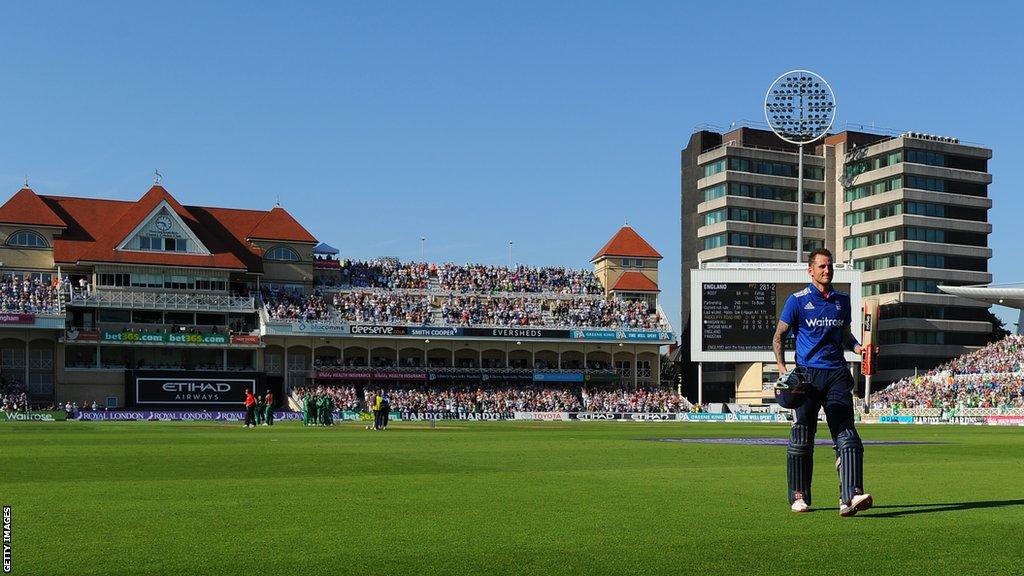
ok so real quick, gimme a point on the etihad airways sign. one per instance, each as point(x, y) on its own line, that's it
point(205, 391)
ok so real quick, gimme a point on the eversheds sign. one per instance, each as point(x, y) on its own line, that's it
point(192, 390)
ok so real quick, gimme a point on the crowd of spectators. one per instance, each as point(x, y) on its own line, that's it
point(13, 396)
point(607, 312)
point(28, 296)
point(387, 273)
point(383, 307)
point(636, 400)
point(344, 397)
point(475, 399)
point(491, 279)
point(282, 304)
point(990, 377)
point(381, 291)
point(475, 310)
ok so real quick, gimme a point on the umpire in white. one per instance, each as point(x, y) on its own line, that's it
point(820, 317)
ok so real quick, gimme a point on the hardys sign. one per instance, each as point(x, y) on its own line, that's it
point(205, 390)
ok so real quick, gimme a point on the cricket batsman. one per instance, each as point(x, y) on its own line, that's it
point(820, 317)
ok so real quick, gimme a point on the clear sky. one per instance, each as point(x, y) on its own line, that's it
point(476, 123)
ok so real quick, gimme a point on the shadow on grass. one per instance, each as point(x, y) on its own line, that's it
point(910, 509)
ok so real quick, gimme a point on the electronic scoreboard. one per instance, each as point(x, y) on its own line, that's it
point(737, 307)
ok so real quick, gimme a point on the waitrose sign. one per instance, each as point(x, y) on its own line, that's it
point(160, 338)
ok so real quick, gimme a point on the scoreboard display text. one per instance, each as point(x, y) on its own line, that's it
point(741, 316)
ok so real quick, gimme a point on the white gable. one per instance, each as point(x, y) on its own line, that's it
point(163, 231)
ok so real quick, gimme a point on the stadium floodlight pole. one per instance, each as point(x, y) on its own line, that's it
point(422, 240)
point(510, 254)
point(800, 107)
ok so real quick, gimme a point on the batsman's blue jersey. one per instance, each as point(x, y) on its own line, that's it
point(819, 323)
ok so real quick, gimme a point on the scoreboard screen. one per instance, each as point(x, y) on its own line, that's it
point(735, 307)
point(739, 316)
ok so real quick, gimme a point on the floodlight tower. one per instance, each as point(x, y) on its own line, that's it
point(800, 108)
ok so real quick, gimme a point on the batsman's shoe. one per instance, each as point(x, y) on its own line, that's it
point(858, 503)
point(799, 506)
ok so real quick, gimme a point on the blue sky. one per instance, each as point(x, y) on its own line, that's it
point(475, 123)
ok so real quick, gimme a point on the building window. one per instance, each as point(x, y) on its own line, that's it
point(716, 241)
point(716, 191)
point(163, 244)
point(28, 239)
point(114, 279)
point(638, 263)
point(714, 217)
point(714, 167)
point(283, 254)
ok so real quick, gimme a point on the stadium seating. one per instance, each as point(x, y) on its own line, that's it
point(390, 292)
point(991, 377)
point(30, 296)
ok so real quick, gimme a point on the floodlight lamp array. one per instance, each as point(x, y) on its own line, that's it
point(800, 106)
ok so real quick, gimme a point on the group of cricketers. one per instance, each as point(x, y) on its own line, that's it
point(317, 410)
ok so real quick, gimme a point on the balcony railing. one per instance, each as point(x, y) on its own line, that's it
point(163, 301)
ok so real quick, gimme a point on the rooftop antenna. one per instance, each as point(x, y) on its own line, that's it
point(278, 200)
point(26, 180)
point(157, 177)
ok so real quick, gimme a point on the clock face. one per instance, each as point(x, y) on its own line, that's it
point(163, 223)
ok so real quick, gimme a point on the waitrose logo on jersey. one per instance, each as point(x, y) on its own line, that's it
point(822, 322)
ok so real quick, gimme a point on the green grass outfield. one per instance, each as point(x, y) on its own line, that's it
point(497, 498)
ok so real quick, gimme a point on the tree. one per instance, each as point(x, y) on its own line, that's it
point(669, 373)
point(999, 330)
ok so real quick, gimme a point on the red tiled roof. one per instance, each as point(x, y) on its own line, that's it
point(635, 282)
point(95, 228)
point(27, 208)
point(279, 225)
point(627, 242)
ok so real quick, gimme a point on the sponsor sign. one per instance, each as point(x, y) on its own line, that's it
point(457, 415)
point(370, 330)
point(13, 318)
point(160, 338)
point(526, 333)
point(706, 417)
point(747, 417)
point(167, 415)
point(245, 339)
point(434, 332)
point(1005, 420)
point(635, 335)
point(558, 376)
point(208, 390)
point(541, 415)
point(322, 328)
point(75, 335)
point(350, 374)
point(891, 419)
point(594, 416)
point(38, 416)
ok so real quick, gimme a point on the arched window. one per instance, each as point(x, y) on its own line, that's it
point(27, 238)
point(282, 253)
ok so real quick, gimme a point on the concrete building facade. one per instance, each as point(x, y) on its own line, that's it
point(909, 210)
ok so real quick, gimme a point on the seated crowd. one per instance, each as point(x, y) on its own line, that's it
point(991, 377)
point(475, 310)
point(609, 312)
point(473, 399)
point(284, 304)
point(387, 273)
point(639, 400)
point(344, 397)
point(383, 307)
point(28, 296)
point(489, 279)
point(13, 396)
